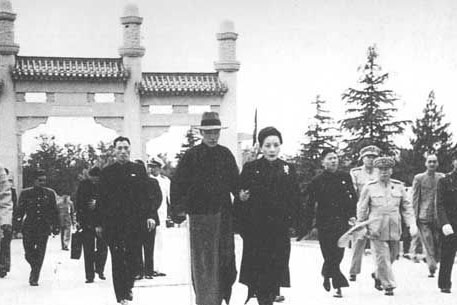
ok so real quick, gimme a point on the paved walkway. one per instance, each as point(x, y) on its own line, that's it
point(62, 280)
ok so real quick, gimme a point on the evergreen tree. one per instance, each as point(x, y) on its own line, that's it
point(370, 111)
point(320, 135)
point(192, 138)
point(432, 135)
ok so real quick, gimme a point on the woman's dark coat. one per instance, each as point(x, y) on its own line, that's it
point(264, 222)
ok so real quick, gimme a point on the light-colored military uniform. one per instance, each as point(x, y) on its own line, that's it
point(360, 176)
point(388, 203)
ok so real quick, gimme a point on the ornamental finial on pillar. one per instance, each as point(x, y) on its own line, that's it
point(7, 17)
point(227, 48)
point(131, 23)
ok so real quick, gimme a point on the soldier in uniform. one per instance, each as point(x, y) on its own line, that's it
point(38, 204)
point(360, 176)
point(424, 198)
point(385, 199)
point(334, 194)
point(123, 210)
point(446, 203)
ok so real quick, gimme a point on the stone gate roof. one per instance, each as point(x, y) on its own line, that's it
point(182, 84)
point(68, 68)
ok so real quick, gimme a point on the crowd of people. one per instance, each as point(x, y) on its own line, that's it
point(123, 206)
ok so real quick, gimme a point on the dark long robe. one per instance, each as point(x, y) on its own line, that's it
point(264, 221)
point(332, 202)
point(201, 187)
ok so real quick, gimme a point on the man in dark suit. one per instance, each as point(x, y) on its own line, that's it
point(145, 268)
point(95, 249)
point(38, 204)
point(124, 210)
point(446, 203)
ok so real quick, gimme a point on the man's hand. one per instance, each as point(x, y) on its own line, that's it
point(244, 195)
point(151, 224)
point(352, 221)
point(447, 230)
point(99, 231)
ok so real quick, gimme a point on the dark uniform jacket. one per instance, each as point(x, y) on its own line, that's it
point(155, 198)
point(87, 191)
point(336, 201)
point(124, 204)
point(204, 179)
point(38, 205)
point(447, 200)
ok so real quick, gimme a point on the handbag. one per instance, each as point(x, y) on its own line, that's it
point(76, 244)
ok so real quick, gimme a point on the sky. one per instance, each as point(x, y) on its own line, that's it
point(290, 51)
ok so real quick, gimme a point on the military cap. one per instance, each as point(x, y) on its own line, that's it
point(369, 150)
point(381, 162)
point(156, 162)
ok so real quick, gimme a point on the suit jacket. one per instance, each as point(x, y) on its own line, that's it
point(87, 191)
point(447, 201)
point(39, 206)
point(124, 204)
point(155, 198)
point(424, 196)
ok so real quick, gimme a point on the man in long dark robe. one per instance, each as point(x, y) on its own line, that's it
point(201, 187)
point(334, 194)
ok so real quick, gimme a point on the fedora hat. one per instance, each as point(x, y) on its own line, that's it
point(210, 121)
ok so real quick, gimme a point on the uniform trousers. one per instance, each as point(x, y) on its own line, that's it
point(385, 253)
point(35, 249)
point(5, 249)
point(123, 261)
point(358, 251)
point(429, 236)
point(448, 250)
point(146, 243)
point(95, 253)
point(65, 236)
point(333, 255)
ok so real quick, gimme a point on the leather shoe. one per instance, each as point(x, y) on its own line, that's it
point(157, 273)
point(101, 276)
point(389, 291)
point(352, 277)
point(88, 281)
point(33, 283)
point(326, 284)
point(446, 290)
point(377, 282)
point(338, 293)
point(279, 299)
point(149, 277)
point(138, 277)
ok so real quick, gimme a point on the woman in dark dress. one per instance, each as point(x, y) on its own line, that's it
point(267, 207)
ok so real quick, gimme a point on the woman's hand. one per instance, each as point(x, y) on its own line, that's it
point(244, 195)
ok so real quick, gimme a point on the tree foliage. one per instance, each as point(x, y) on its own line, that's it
point(370, 111)
point(319, 135)
point(64, 166)
point(432, 135)
point(193, 137)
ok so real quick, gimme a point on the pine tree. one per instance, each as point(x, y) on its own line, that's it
point(432, 135)
point(320, 135)
point(370, 111)
point(192, 138)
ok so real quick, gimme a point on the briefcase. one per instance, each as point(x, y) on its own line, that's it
point(76, 244)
